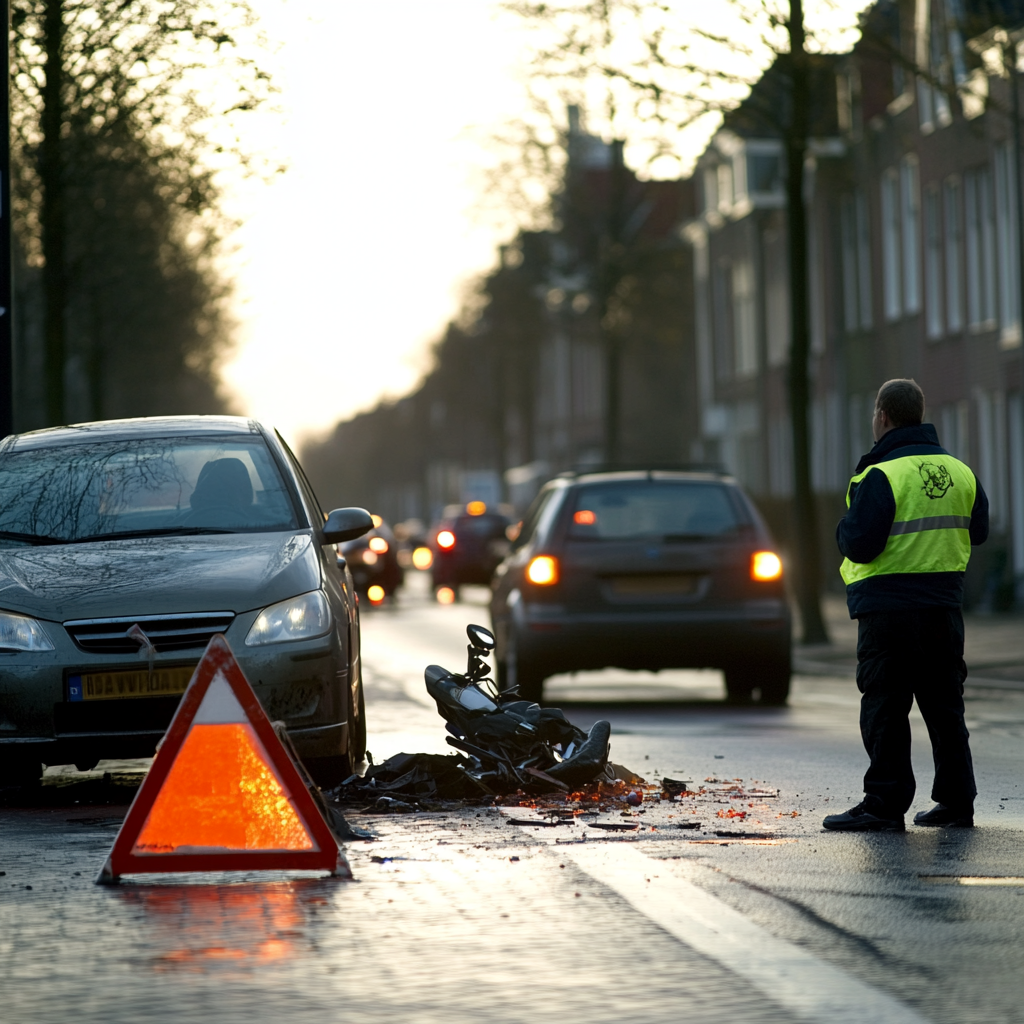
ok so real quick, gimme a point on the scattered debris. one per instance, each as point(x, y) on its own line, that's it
point(615, 826)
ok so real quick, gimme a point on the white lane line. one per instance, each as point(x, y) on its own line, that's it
point(788, 975)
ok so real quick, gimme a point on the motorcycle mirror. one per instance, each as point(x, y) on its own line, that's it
point(482, 639)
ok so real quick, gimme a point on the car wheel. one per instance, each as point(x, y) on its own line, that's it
point(16, 772)
point(357, 739)
point(739, 684)
point(328, 772)
point(774, 682)
point(515, 671)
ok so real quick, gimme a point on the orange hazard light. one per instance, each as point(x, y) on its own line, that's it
point(239, 805)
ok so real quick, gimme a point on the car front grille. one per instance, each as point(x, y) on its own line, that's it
point(166, 632)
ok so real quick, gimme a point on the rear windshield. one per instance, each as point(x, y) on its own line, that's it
point(653, 509)
point(145, 486)
point(485, 526)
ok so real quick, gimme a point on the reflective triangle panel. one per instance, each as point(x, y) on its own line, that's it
point(223, 793)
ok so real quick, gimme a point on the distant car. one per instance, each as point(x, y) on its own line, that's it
point(373, 562)
point(125, 546)
point(643, 570)
point(468, 544)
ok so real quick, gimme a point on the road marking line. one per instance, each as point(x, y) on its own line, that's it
point(786, 974)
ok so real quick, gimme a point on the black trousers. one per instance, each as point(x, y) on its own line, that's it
point(903, 655)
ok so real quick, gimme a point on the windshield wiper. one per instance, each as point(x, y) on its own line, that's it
point(164, 531)
point(30, 538)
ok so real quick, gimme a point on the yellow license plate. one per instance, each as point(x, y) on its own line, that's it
point(656, 585)
point(161, 682)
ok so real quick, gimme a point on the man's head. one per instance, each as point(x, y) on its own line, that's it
point(900, 403)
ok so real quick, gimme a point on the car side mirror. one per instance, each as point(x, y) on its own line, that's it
point(347, 524)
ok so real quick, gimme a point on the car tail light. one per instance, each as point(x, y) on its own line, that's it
point(765, 566)
point(376, 594)
point(542, 570)
point(446, 540)
point(378, 544)
point(423, 558)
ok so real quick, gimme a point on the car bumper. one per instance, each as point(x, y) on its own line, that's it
point(301, 683)
point(564, 641)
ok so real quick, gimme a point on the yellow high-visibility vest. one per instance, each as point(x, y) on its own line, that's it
point(934, 500)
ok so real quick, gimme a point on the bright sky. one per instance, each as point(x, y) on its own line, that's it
point(349, 264)
point(353, 260)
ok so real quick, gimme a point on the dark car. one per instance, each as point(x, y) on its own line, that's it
point(468, 544)
point(125, 546)
point(643, 570)
point(373, 562)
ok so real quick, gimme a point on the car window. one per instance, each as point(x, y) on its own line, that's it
point(139, 485)
point(668, 510)
point(484, 526)
point(532, 518)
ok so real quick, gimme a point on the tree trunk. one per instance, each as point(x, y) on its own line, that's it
point(52, 213)
point(805, 518)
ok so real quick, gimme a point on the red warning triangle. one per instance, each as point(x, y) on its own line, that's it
point(223, 793)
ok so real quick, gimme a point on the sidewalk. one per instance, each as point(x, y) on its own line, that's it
point(994, 648)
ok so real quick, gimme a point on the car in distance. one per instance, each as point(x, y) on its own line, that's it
point(125, 546)
point(468, 543)
point(643, 570)
point(373, 561)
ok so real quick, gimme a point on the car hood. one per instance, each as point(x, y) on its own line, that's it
point(157, 575)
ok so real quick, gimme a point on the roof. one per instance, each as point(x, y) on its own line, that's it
point(625, 476)
point(143, 426)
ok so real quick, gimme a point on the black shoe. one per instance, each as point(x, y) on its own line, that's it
point(940, 815)
point(856, 819)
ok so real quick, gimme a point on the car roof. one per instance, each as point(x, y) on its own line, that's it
point(140, 427)
point(624, 476)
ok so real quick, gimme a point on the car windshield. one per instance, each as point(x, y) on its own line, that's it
point(141, 487)
point(666, 510)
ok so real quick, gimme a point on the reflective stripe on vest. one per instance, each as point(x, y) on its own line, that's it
point(934, 499)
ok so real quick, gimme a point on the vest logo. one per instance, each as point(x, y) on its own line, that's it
point(936, 479)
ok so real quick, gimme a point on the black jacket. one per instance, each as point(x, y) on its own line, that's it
point(863, 533)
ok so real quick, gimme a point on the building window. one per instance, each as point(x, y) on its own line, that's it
point(910, 205)
point(981, 282)
point(891, 245)
point(954, 258)
point(932, 263)
point(710, 190)
point(864, 263)
point(721, 313)
point(848, 242)
point(1006, 244)
point(744, 326)
point(726, 196)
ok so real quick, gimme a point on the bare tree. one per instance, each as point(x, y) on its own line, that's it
point(116, 150)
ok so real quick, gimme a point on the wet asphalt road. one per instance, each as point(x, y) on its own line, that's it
point(461, 915)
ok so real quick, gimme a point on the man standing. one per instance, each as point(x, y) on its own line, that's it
point(913, 514)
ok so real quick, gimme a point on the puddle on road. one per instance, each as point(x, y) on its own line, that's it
point(199, 927)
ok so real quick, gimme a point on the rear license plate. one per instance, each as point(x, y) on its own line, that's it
point(162, 682)
point(656, 585)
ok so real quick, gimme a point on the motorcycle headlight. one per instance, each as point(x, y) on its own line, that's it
point(20, 633)
point(298, 618)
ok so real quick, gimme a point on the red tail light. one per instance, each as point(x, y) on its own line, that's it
point(446, 540)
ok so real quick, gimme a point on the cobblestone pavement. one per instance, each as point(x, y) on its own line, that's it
point(463, 915)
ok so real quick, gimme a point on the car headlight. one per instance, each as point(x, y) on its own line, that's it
point(298, 618)
point(20, 633)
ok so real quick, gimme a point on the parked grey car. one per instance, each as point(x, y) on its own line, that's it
point(125, 546)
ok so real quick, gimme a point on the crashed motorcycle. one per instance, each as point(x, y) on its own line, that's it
point(510, 743)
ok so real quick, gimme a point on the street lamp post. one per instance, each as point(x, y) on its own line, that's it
point(6, 287)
